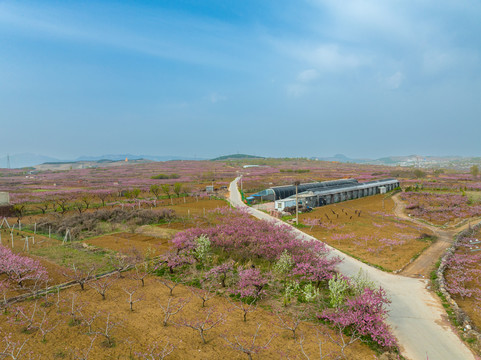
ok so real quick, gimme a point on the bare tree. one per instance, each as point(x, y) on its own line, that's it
point(45, 326)
point(80, 275)
point(244, 307)
point(106, 331)
point(342, 340)
point(132, 300)
point(28, 318)
point(172, 308)
point(248, 347)
point(290, 323)
point(303, 352)
point(75, 311)
point(12, 348)
point(89, 320)
point(171, 285)
point(140, 272)
point(84, 354)
point(203, 294)
point(207, 323)
point(122, 262)
point(157, 352)
point(101, 285)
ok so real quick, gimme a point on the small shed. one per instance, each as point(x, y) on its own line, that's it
point(4, 198)
point(280, 205)
point(209, 188)
point(382, 190)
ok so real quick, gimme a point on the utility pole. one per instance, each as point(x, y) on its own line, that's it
point(8, 161)
point(297, 182)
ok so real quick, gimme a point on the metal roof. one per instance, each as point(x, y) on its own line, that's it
point(359, 186)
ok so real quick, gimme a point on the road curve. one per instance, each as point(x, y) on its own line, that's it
point(416, 317)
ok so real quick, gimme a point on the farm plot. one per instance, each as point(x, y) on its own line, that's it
point(119, 317)
point(121, 242)
point(196, 208)
point(441, 208)
point(367, 229)
point(463, 276)
point(81, 324)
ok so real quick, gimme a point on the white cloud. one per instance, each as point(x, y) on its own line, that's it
point(331, 58)
point(215, 98)
point(296, 90)
point(394, 81)
point(308, 75)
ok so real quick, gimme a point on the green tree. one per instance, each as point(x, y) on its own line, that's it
point(177, 189)
point(475, 171)
point(419, 173)
point(155, 190)
point(166, 189)
point(133, 194)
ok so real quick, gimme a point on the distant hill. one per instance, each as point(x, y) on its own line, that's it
point(69, 165)
point(31, 160)
point(342, 158)
point(119, 157)
point(409, 160)
point(237, 156)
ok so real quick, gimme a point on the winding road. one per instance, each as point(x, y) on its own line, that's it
point(417, 317)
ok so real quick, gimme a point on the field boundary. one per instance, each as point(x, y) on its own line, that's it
point(57, 287)
point(470, 330)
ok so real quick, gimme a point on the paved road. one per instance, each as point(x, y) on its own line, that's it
point(417, 317)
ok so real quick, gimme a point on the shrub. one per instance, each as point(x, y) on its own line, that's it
point(165, 176)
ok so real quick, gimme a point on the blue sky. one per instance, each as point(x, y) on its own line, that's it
point(274, 78)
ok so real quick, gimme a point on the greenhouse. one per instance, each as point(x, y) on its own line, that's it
point(282, 192)
point(319, 197)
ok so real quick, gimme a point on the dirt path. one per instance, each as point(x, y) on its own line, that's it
point(425, 263)
point(416, 315)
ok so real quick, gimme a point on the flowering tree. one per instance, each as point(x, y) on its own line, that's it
point(364, 315)
point(21, 269)
point(221, 272)
point(251, 283)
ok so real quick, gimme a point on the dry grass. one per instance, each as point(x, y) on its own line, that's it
point(376, 222)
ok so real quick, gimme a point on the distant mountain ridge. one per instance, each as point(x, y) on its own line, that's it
point(35, 160)
point(237, 156)
point(30, 160)
point(118, 157)
point(408, 160)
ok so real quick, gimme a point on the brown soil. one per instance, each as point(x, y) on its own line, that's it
point(136, 331)
point(196, 208)
point(123, 242)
